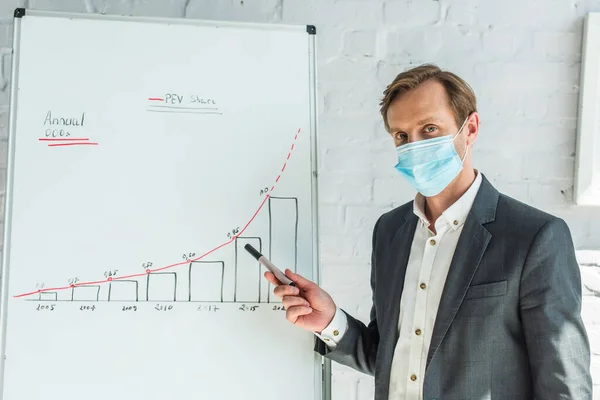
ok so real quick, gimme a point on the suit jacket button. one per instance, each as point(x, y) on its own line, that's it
point(413, 377)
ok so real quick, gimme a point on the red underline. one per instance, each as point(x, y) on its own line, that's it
point(149, 271)
point(156, 99)
point(74, 144)
point(62, 140)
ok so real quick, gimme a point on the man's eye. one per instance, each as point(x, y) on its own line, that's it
point(401, 136)
point(430, 129)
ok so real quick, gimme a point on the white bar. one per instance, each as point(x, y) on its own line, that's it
point(162, 286)
point(85, 293)
point(123, 290)
point(283, 236)
point(206, 281)
point(248, 274)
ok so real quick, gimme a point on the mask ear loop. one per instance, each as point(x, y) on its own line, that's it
point(458, 133)
point(465, 157)
point(461, 128)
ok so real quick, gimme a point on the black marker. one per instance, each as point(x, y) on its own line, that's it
point(269, 265)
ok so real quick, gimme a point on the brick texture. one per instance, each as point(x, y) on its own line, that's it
point(522, 58)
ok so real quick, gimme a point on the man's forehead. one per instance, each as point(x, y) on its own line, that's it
point(427, 103)
point(402, 120)
point(429, 93)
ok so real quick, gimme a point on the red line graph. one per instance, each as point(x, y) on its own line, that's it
point(148, 271)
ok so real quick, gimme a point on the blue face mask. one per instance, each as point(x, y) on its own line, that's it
point(430, 165)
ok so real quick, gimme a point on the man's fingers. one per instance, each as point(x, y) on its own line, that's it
point(292, 314)
point(286, 290)
point(292, 301)
point(300, 281)
point(271, 278)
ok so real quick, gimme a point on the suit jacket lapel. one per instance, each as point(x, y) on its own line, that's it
point(401, 244)
point(469, 251)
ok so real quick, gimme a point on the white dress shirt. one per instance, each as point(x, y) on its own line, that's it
point(426, 272)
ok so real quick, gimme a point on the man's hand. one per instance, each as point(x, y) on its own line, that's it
point(307, 305)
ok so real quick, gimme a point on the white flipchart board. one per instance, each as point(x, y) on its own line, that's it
point(144, 154)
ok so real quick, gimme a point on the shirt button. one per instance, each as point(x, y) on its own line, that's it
point(336, 332)
point(413, 377)
point(418, 332)
point(432, 242)
point(423, 286)
point(455, 222)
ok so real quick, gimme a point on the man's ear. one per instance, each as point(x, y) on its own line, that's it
point(472, 128)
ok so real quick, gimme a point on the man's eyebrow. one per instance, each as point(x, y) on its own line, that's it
point(428, 120)
point(424, 121)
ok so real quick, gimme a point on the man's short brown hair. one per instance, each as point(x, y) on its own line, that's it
point(461, 96)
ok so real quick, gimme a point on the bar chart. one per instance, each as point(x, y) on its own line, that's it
point(228, 275)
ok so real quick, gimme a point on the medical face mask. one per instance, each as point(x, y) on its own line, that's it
point(430, 165)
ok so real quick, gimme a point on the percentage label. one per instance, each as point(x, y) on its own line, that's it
point(189, 256)
point(264, 191)
point(147, 264)
point(234, 232)
point(73, 281)
point(111, 273)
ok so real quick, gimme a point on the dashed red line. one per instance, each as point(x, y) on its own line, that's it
point(149, 271)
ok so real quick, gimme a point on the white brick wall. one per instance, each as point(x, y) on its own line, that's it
point(522, 57)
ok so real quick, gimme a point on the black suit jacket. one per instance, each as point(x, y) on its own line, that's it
point(508, 325)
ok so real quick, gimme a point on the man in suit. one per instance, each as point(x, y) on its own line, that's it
point(475, 295)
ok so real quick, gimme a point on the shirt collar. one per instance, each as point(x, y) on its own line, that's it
point(457, 213)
